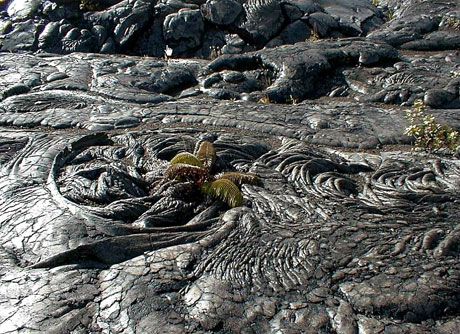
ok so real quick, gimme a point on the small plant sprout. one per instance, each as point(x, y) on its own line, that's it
point(215, 52)
point(264, 100)
point(196, 169)
point(292, 100)
point(428, 134)
point(314, 34)
point(390, 15)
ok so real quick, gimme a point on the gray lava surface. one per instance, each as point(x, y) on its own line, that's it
point(349, 230)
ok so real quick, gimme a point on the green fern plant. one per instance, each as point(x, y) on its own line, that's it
point(428, 134)
point(223, 189)
point(186, 158)
point(196, 169)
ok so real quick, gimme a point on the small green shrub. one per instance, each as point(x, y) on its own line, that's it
point(429, 135)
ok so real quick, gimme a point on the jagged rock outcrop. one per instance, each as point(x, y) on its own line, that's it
point(193, 29)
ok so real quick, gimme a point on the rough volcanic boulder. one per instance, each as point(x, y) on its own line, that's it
point(183, 31)
point(221, 12)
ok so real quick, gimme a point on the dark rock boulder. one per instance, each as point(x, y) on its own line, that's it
point(439, 98)
point(263, 20)
point(22, 9)
point(183, 31)
point(79, 40)
point(322, 24)
point(134, 21)
point(5, 27)
point(55, 11)
point(304, 70)
point(292, 12)
point(353, 21)
point(49, 38)
point(293, 33)
point(305, 6)
point(23, 37)
point(437, 40)
point(221, 12)
point(422, 26)
point(401, 31)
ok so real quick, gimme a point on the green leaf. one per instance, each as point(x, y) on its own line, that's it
point(186, 158)
point(239, 178)
point(207, 154)
point(225, 190)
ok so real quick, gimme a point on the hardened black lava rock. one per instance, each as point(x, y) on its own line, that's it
point(349, 229)
point(188, 29)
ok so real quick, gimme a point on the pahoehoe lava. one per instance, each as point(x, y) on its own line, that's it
point(349, 230)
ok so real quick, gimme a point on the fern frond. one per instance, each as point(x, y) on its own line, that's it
point(182, 171)
point(239, 178)
point(225, 190)
point(186, 158)
point(207, 154)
